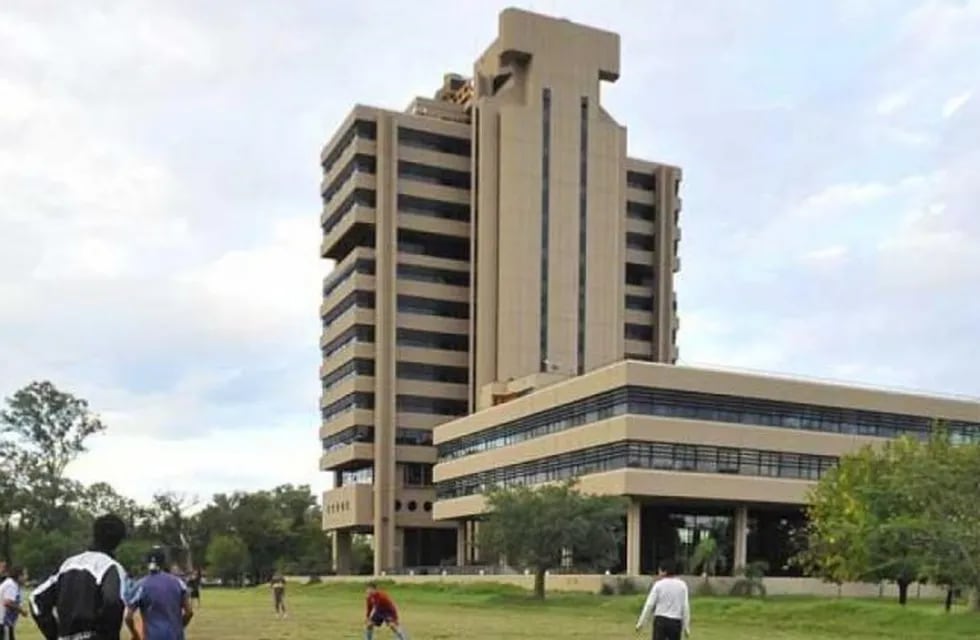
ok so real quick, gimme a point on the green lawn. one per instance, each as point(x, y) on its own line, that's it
point(321, 612)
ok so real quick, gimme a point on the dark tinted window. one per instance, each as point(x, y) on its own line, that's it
point(357, 333)
point(433, 307)
point(640, 275)
point(433, 141)
point(433, 208)
point(433, 175)
point(639, 303)
point(640, 211)
point(637, 180)
point(359, 197)
point(432, 340)
point(337, 278)
point(437, 245)
point(432, 372)
point(432, 406)
point(362, 299)
point(365, 129)
point(351, 368)
point(356, 400)
point(414, 437)
point(641, 241)
point(638, 332)
point(360, 162)
point(432, 274)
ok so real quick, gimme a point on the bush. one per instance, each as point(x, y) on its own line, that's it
point(750, 580)
point(705, 589)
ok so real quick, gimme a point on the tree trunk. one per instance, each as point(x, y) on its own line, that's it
point(539, 584)
point(975, 599)
point(903, 592)
point(949, 599)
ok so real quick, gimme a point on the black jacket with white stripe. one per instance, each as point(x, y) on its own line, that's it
point(83, 601)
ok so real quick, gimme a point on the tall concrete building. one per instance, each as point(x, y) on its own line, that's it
point(489, 241)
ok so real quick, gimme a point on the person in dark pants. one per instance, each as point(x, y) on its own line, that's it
point(85, 598)
point(10, 602)
point(194, 584)
point(278, 585)
point(668, 603)
point(162, 601)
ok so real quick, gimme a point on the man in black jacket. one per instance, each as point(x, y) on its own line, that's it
point(84, 600)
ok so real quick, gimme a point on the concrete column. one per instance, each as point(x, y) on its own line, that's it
point(741, 536)
point(386, 249)
point(461, 543)
point(476, 541)
point(633, 538)
point(342, 553)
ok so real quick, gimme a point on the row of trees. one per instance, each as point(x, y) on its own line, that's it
point(45, 515)
point(906, 512)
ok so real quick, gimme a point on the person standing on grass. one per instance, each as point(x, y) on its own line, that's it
point(381, 611)
point(669, 604)
point(85, 598)
point(278, 585)
point(162, 601)
point(194, 584)
point(10, 602)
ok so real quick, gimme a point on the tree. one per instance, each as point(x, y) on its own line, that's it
point(863, 521)
point(535, 528)
point(227, 557)
point(906, 511)
point(44, 430)
point(706, 557)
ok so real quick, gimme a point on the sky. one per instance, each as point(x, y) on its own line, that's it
point(159, 205)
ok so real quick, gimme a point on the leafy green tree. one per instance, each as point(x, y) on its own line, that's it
point(707, 557)
point(864, 523)
point(534, 527)
point(44, 429)
point(227, 557)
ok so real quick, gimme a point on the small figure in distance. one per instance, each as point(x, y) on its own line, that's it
point(669, 604)
point(84, 599)
point(10, 601)
point(381, 611)
point(278, 585)
point(194, 584)
point(162, 601)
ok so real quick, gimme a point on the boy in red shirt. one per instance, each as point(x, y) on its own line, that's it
point(380, 611)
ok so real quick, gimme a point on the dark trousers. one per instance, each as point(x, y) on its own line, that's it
point(6, 633)
point(667, 628)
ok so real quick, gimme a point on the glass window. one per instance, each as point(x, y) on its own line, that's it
point(639, 275)
point(639, 303)
point(359, 197)
point(433, 307)
point(433, 208)
point(433, 175)
point(364, 129)
point(638, 332)
point(640, 211)
point(448, 277)
point(637, 180)
point(640, 241)
point(433, 141)
point(437, 245)
point(432, 406)
point(431, 339)
point(432, 372)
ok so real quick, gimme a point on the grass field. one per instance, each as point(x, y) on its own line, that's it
point(321, 612)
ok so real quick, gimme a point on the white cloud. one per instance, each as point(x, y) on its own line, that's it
point(892, 103)
point(826, 257)
point(954, 104)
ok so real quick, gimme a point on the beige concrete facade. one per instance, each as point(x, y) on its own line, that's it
point(487, 241)
point(681, 436)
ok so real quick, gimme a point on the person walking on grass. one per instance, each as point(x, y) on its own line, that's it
point(668, 603)
point(194, 584)
point(381, 611)
point(162, 601)
point(85, 598)
point(278, 585)
point(10, 602)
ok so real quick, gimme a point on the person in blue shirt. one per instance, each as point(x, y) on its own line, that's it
point(162, 601)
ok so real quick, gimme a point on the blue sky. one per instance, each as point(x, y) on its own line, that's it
point(159, 208)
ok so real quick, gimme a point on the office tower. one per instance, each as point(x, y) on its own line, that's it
point(488, 242)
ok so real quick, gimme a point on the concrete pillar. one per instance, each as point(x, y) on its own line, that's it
point(386, 247)
point(633, 538)
point(461, 543)
point(741, 537)
point(342, 552)
point(475, 541)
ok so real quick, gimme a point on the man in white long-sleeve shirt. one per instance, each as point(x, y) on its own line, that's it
point(668, 602)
